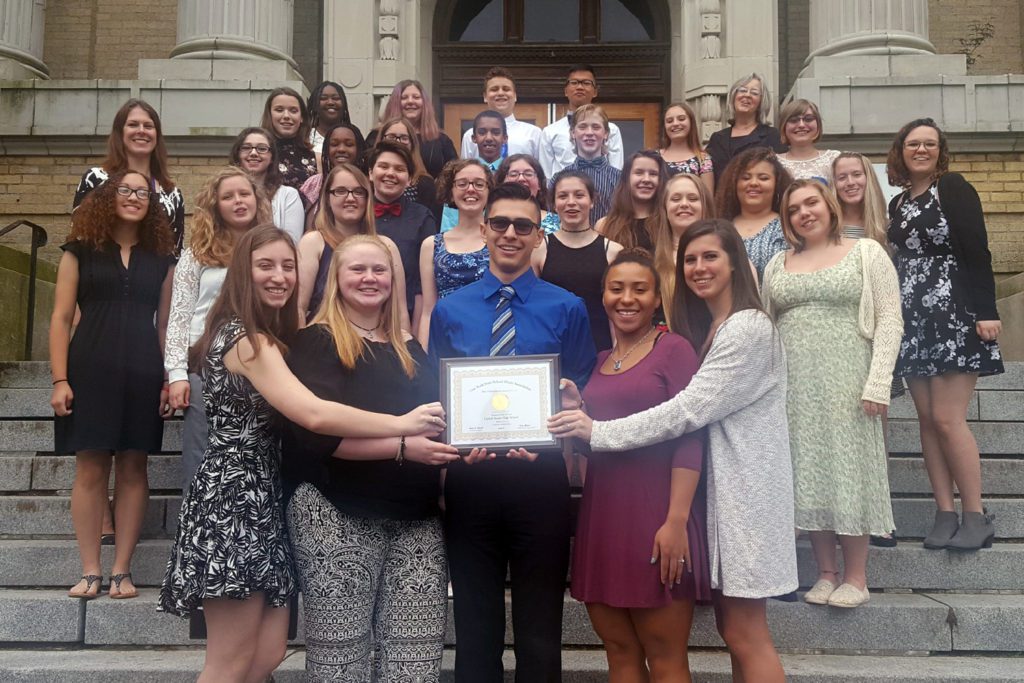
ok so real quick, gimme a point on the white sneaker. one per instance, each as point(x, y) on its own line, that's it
point(820, 592)
point(848, 595)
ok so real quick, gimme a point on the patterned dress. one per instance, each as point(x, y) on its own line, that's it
point(939, 326)
point(231, 539)
point(453, 271)
point(762, 246)
point(839, 460)
point(295, 161)
point(698, 165)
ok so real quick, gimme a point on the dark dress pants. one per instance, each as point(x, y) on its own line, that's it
point(508, 514)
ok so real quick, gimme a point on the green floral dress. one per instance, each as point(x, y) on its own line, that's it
point(839, 460)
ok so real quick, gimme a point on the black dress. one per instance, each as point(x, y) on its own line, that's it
point(580, 270)
point(296, 161)
point(408, 231)
point(115, 365)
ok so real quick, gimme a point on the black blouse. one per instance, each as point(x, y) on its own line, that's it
point(362, 488)
point(723, 146)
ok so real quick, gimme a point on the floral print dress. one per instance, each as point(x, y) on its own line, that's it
point(939, 326)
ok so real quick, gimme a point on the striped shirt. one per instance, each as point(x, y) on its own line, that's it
point(605, 177)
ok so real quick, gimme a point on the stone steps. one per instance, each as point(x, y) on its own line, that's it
point(578, 666)
point(54, 563)
point(891, 622)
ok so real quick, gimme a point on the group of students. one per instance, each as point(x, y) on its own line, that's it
point(728, 322)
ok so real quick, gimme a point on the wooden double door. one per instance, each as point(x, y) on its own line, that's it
point(639, 122)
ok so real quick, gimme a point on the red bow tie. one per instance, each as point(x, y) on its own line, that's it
point(395, 209)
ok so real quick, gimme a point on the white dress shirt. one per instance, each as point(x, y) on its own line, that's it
point(523, 138)
point(556, 151)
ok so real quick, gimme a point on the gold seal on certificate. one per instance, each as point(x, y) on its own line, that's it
point(500, 402)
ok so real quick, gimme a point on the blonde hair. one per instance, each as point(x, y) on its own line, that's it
point(347, 341)
point(211, 241)
point(664, 243)
point(827, 195)
point(875, 220)
point(582, 112)
point(325, 223)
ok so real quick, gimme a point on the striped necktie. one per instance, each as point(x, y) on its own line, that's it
point(503, 331)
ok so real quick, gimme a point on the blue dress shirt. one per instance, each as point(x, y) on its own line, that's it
point(548, 320)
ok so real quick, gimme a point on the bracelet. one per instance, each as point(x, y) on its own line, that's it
point(58, 381)
point(400, 458)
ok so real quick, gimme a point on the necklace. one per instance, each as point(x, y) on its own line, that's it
point(586, 229)
point(617, 364)
point(369, 330)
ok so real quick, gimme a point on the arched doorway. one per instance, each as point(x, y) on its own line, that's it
point(628, 42)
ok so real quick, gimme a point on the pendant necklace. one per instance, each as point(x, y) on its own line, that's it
point(368, 330)
point(617, 364)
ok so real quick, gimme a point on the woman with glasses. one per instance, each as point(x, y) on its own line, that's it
point(345, 210)
point(343, 144)
point(408, 99)
point(255, 153)
point(800, 127)
point(748, 109)
point(937, 231)
point(527, 171)
point(421, 188)
point(455, 258)
point(285, 115)
point(108, 389)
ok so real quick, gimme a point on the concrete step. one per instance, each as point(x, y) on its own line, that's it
point(890, 623)
point(914, 517)
point(37, 435)
point(50, 516)
point(55, 564)
point(27, 471)
point(994, 438)
point(1000, 476)
point(986, 405)
point(25, 374)
point(578, 666)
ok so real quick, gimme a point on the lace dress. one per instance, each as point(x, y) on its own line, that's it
point(454, 271)
point(839, 460)
point(231, 539)
point(939, 327)
point(818, 168)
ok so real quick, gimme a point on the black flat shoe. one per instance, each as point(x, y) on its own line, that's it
point(887, 541)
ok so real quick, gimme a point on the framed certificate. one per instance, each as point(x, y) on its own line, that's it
point(500, 402)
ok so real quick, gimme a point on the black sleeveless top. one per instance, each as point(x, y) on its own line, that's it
point(580, 271)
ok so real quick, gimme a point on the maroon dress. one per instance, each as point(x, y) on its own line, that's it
point(626, 494)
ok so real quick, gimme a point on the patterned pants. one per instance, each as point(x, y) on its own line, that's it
point(369, 587)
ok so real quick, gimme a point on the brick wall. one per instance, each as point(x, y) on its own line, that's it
point(68, 45)
point(999, 180)
point(1000, 54)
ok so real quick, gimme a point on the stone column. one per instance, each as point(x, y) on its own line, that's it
point(241, 29)
point(21, 39)
point(869, 27)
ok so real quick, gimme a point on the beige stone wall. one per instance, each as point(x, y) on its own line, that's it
point(107, 38)
point(999, 180)
point(1000, 54)
point(40, 189)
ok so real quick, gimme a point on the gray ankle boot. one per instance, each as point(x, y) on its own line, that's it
point(976, 531)
point(944, 528)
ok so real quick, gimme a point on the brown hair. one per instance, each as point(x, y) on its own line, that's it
point(325, 222)
point(348, 343)
point(691, 317)
point(416, 168)
point(446, 181)
point(429, 130)
point(835, 233)
point(727, 201)
point(302, 136)
point(238, 299)
point(498, 72)
point(618, 224)
point(272, 178)
point(692, 138)
point(896, 168)
point(542, 182)
point(793, 108)
point(117, 157)
point(93, 220)
point(211, 241)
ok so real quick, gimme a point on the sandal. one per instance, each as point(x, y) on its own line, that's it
point(115, 582)
point(89, 579)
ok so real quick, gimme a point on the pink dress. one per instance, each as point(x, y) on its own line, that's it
point(626, 494)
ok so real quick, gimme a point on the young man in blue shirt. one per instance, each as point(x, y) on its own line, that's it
point(510, 513)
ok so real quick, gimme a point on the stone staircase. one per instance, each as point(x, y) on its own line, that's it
point(933, 616)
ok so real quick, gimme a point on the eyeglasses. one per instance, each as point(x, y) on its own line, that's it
point(404, 139)
point(344, 192)
point(576, 82)
point(929, 145)
point(140, 192)
point(463, 183)
point(523, 226)
point(259, 149)
point(744, 90)
point(525, 175)
point(806, 119)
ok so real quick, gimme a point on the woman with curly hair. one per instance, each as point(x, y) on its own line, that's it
point(108, 391)
point(459, 256)
point(750, 195)
point(937, 231)
point(528, 172)
point(637, 202)
point(285, 115)
point(136, 142)
point(229, 204)
point(254, 151)
point(409, 99)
